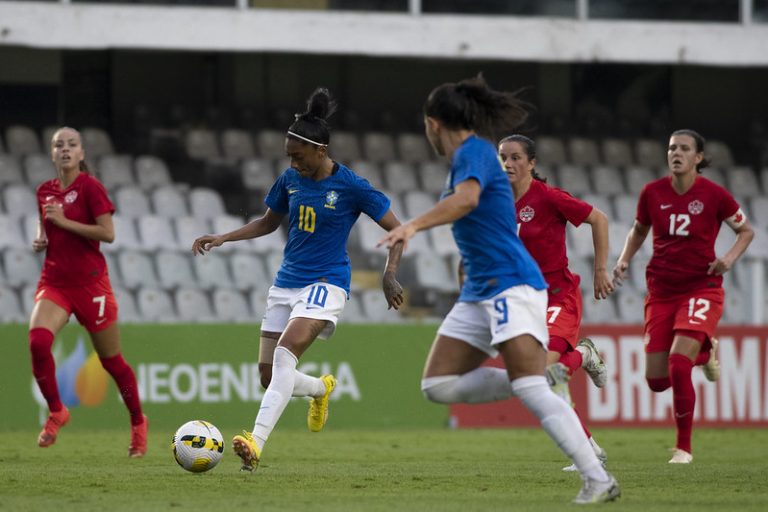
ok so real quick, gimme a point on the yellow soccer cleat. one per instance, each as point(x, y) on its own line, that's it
point(245, 448)
point(712, 368)
point(318, 406)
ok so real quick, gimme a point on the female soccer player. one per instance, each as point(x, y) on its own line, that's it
point(75, 215)
point(685, 292)
point(542, 214)
point(322, 199)
point(503, 303)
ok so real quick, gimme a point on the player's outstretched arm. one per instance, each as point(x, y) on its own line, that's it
point(393, 291)
point(603, 283)
point(264, 225)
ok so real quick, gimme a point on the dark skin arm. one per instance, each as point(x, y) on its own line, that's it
point(393, 291)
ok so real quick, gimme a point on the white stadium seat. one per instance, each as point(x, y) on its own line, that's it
point(156, 306)
point(137, 270)
point(232, 306)
point(22, 140)
point(131, 202)
point(193, 306)
point(174, 270)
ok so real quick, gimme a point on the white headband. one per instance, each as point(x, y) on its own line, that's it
point(305, 139)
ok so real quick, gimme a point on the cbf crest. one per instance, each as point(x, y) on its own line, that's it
point(331, 198)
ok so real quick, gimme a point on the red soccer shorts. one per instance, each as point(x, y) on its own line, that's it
point(564, 316)
point(94, 305)
point(696, 311)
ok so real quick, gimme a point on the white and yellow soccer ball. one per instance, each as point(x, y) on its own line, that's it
point(197, 446)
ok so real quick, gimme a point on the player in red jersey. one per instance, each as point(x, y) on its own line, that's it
point(684, 276)
point(75, 215)
point(542, 214)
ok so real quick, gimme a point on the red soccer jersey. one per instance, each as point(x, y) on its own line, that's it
point(72, 260)
point(685, 227)
point(542, 214)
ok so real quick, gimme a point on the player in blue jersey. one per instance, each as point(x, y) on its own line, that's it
point(503, 301)
point(322, 199)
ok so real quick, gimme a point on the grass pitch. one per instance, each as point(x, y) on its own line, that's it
point(370, 470)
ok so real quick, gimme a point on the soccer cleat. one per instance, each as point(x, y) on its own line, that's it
point(712, 368)
point(55, 421)
point(138, 447)
point(680, 457)
point(245, 448)
point(318, 406)
point(602, 456)
point(593, 363)
point(594, 491)
point(557, 377)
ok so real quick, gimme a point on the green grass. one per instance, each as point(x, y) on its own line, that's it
point(389, 470)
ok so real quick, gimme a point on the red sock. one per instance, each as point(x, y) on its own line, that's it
point(126, 383)
point(44, 367)
point(586, 430)
point(659, 384)
point(702, 358)
point(684, 398)
point(572, 360)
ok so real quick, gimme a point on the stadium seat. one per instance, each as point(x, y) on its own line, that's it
point(128, 311)
point(271, 144)
point(232, 306)
point(602, 203)
point(156, 232)
point(736, 309)
point(637, 178)
point(725, 239)
point(375, 307)
point(258, 301)
point(631, 305)
point(273, 260)
point(22, 140)
point(212, 271)
point(607, 180)
point(650, 153)
point(432, 272)
point(174, 270)
point(201, 144)
point(226, 223)
point(10, 307)
point(714, 174)
point(136, 270)
point(10, 170)
point(96, 142)
point(273, 242)
point(550, 151)
point(636, 271)
point(742, 182)
point(38, 169)
point(433, 176)
point(113, 269)
point(132, 202)
point(617, 152)
point(548, 172)
point(47, 137)
point(400, 176)
point(582, 265)
point(19, 200)
point(237, 145)
point(719, 154)
point(369, 171)
point(12, 236)
point(416, 203)
point(193, 306)
point(151, 172)
point(206, 203)
point(169, 201)
point(413, 147)
point(188, 229)
point(759, 208)
point(626, 209)
point(126, 235)
point(344, 147)
point(156, 306)
point(599, 311)
point(396, 205)
point(22, 267)
point(29, 228)
point(583, 151)
point(442, 240)
point(257, 174)
point(27, 294)
point(617, 234)
point(115, 170)
point(574, 179)
point(353, 311)
point(249, 273)
point(378, 147)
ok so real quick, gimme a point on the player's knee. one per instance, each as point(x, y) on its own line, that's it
point(265, 372)
point(658, 384)
point(40, 340)
point(441, 389)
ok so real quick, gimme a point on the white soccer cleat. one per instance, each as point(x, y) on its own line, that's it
point(712, 368)
point(681, 457)
point(593, 364)
point(594, 491)
point(557, 378)
point(602, 456)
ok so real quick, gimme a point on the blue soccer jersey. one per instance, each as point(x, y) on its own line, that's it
point(494, 257)
point(321, 215)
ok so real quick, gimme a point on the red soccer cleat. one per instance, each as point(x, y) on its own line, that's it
point(138, 445)
point(55, 421)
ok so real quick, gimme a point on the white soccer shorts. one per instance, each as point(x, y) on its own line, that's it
point(322, 301)
point(515, 311)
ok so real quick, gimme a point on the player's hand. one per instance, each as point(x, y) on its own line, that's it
point(393, 291)
point(401, 233)
point(719, 267)
point(603, 284)
point(620, 273)
point(39, 244)
point(54, 212)
point(205, 243)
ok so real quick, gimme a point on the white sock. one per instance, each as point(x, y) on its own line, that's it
point(479, 386)
point(561, 423)
point(595, 446)
point(306, 385)
point(277, 395)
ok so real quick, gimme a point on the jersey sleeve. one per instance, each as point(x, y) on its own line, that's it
point(643, 215)
point(729, 209)
point(572, 208)
point(277, 198)
point(463, 168)
point(370, 201)
point(97, 199)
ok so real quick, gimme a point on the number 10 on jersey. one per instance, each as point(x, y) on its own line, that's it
point(307, 218)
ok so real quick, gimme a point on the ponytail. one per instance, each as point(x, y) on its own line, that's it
point(311, 126)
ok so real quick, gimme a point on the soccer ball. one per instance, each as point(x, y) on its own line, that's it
point(197, 446)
